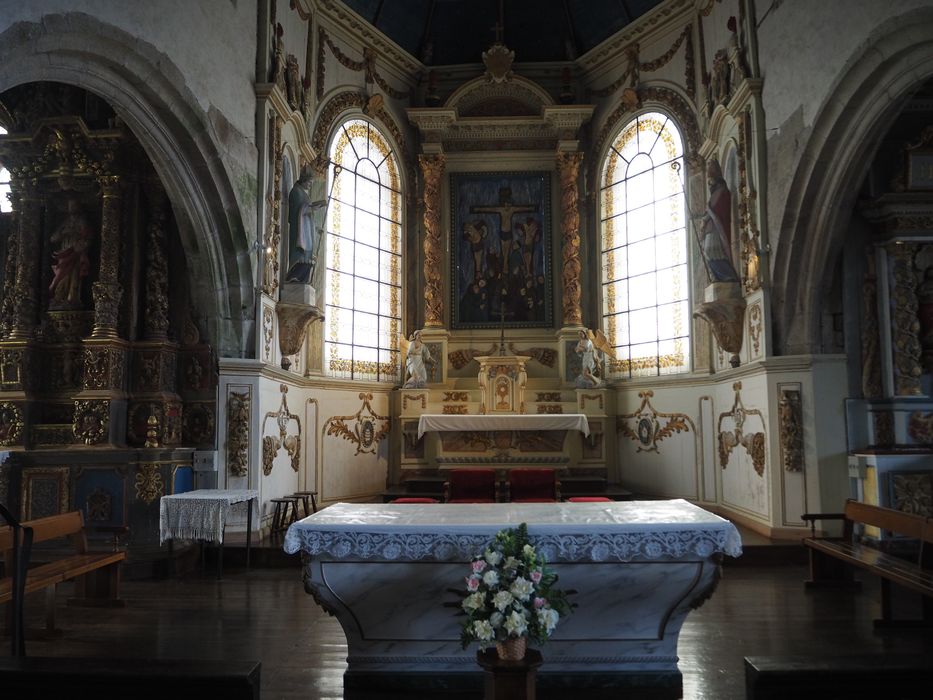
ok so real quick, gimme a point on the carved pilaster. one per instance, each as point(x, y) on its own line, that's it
point(107, 291)
point(7, 306)
point(91, 420)
point(156, 312)
point(271, 253)
point(238, 415)
point(790, 412)
point(568, 165)
point(104, 367)
point(905, 327)
point(432, 167)
point(871, 357)
point(27, 264)
point(750, 236)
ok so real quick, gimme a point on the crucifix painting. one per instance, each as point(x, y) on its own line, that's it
point(500, 250)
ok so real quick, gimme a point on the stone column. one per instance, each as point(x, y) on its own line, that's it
point(905, 328)
point(27, 263)
point(432, 167)
point(568, 166)
point(156, 318)
point(107, 290)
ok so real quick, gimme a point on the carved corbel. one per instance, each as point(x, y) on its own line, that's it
point(294, 320)
point(724, 311)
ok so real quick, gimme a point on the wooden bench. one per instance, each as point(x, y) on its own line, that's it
point(833, 560)
point(96, 574)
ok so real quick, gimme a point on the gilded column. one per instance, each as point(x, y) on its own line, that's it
point(272, 245)
point(107, 290)
point(905, 327)
point(432, 167)
point(27, 264)
point(10, 265)
point(156, 319)
point(568, 165)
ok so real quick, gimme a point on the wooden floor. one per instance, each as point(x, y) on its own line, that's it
point(760, 608)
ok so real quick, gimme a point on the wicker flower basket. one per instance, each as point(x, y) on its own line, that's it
point(512, 649)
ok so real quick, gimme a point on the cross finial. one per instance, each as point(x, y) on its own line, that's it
point(497, 28)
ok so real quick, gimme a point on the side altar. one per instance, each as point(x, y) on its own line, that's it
point(637, 569)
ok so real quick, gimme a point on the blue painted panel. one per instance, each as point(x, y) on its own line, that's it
point(183, 480)
point(101, 495)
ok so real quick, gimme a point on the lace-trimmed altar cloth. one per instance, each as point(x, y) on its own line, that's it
point(199, 515)
point(563, 532)
point(504, 421)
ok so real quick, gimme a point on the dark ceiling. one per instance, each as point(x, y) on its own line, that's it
point(448, 32)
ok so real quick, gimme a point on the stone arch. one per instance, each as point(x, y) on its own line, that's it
point(846, 133)
point(147, 91)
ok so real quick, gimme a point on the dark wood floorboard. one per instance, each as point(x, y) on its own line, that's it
point(264, 614)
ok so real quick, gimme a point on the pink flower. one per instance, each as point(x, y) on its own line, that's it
point(479, 565)
point(472, 583)
point(540, 602)
point(536, 576)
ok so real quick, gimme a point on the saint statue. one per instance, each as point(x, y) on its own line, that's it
point(417, 359)
point(302, 232)
point(717, 228)
point(591, 346)
point(70, 262)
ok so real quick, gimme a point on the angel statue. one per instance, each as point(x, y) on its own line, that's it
point(417, 357)
point(591, 347)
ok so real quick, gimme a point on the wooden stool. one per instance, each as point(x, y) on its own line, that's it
point(305, 497)
point(282, 517)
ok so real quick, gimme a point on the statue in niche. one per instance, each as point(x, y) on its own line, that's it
point(293, 90)
point(416, 361)
point(591, 347)
point(302, 233)
point(70, 262)
point(716, 228)
point(720, 78)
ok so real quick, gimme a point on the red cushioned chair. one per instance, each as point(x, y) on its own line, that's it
point(589, 499)
point(470, 486)
point(533, 486)
point(414, 499)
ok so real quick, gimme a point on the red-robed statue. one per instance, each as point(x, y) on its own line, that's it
point(70, 263)
point(717, 228)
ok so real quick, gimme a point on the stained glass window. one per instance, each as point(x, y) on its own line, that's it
point(643, 252)
point(364, 256)
point(4, 184)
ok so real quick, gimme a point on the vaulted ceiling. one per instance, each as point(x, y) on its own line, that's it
point(450, 32)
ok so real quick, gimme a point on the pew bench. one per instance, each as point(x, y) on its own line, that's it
point(833, 560)
point(96, 574)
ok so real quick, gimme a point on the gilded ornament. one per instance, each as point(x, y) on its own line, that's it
point(912, 493)
point(545, 396)
point(149, 485)
point(754, 443)
point(152, 431)
point(198, 423)
point(790, 417)
point(98, 507)
point(432, 167)
point(643, 427)
point(91, 420)
point(156, 303)
point(11, 424)
point(568, 165)
point(456, 396)
point(455, 410)
point(267, 333)
point(906, 328)
point(755, 327)
point(291, 443)
point(414, 398)
point(360, 428)
point(272, 244)
point(883, 428)
point(238, 411)
point(920, 427)
point(871, 353)
point(550, 408)
point(544, 356)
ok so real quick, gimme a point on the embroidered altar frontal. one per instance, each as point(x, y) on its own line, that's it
point(637, 568)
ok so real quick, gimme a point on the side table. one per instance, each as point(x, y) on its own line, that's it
point(509, 680)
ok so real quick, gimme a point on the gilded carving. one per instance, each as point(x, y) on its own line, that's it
point(9, 278)
point(754, 443)
point(598, 398)
point(920, 427)
point(544, 356)
point(750, 236)
point(906, 328)
point(883, 428)
point(267, 333)
point(98, 506)
point(149, 485)
point(11, 424)
point(44, 491)
point(459, 359)
point(238, 411)
point(790, 415)
point(91, 420)
point(198, 423)
point(550, 408)
point(754, 327)
point(360, 428)
point(725, 317)
point(547, 396)
point(912, 492)
point(456, 396)
point(432, 167)
point(273, 237)
point(103, 367)
point(500, 442)
point(368, 64)
point(13, 369)
point(27, 263)
point(107, 291)
point(455, 410)
point(293, 327)
point(643, 427)
point(568, 165)
point(156, 309)
point(291, 443)
point(414, 398)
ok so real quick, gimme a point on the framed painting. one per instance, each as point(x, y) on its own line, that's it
point(500, 250)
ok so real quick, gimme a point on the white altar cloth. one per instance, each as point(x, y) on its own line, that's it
point(199, 515)
point(616, 531)
point(504, 421)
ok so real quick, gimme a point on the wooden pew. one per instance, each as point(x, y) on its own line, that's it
point(833, 560)
point(96, 574)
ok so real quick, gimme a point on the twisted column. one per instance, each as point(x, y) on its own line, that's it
point(107, 290)
point(27, 263)
point(568, 166)
point(156, 319)
point(432, 167)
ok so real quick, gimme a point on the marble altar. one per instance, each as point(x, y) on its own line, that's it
point(637, 568)
point(512, 421)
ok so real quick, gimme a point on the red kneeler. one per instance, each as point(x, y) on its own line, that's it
point(533, 486)
point(414, 499)
point(589, 499)
point(470, 486)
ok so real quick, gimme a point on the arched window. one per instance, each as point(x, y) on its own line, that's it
point(4, 184)
point(645, 281)
point(364, 256)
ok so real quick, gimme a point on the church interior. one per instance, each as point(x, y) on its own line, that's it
point(355, 258)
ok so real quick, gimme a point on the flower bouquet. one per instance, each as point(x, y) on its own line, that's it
point(510, 596)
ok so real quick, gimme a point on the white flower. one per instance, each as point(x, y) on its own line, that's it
point(493, 557)
point(515, 624)
point(496, 619)
point(482, 630)
point(473, 602)
point(491, 578)
point(547, 618)
point(511, 563)
point(528, 550)
point(502, 600)
point(522, 588)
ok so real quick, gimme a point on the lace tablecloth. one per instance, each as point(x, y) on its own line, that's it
point(199, 515)
point(617, 531)
point(504, 421)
